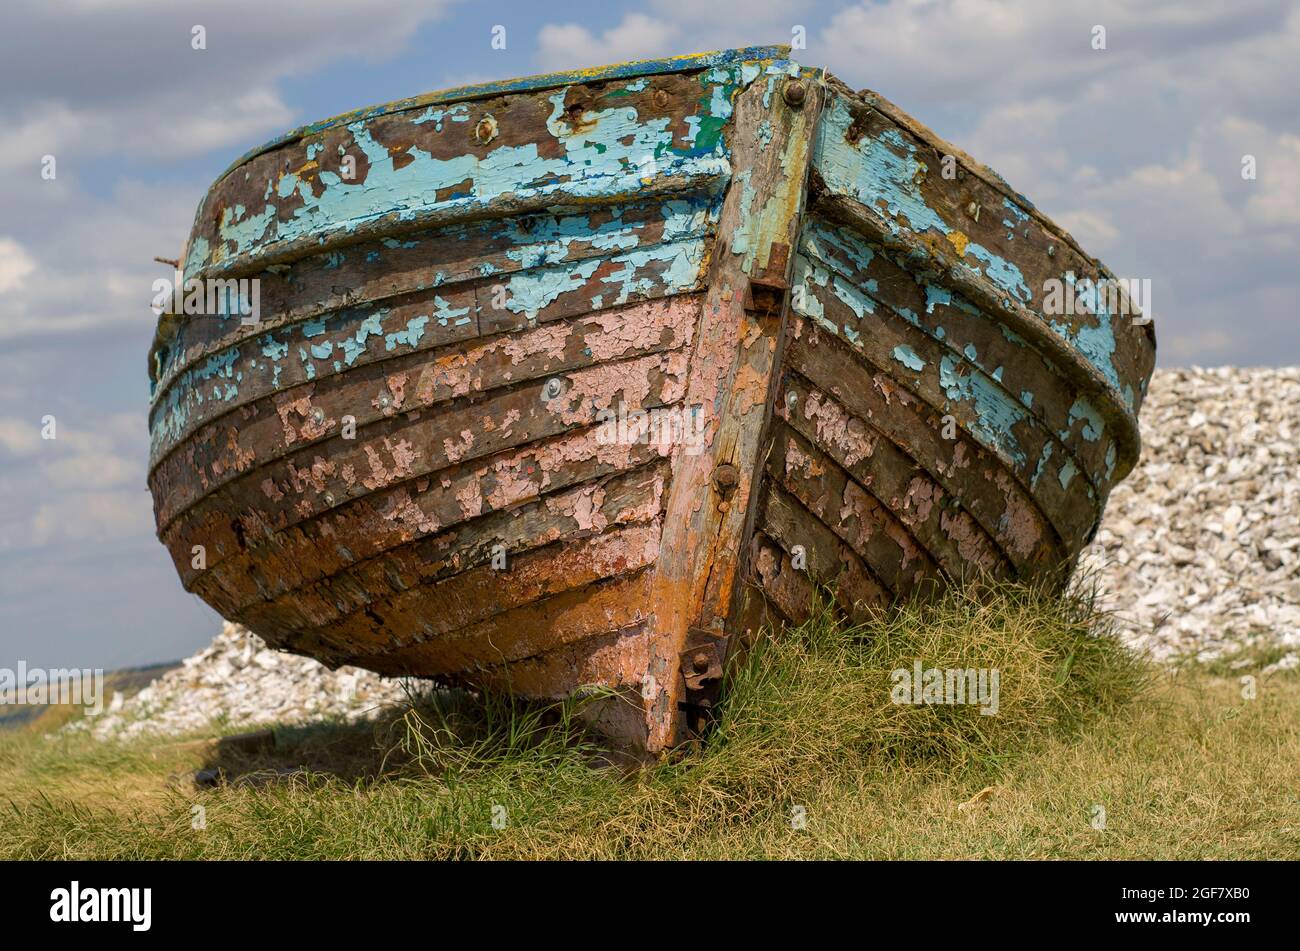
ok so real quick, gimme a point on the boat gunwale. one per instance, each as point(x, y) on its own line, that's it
point(1024, 319)
point(686, 63)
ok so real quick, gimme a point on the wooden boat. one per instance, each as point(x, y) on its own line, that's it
point(420, 460)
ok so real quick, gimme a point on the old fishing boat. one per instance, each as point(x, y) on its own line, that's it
point(575, 379)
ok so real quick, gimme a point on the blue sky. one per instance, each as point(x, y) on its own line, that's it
point(1136, 149)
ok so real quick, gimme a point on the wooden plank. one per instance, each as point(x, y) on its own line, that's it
point(410, 445)
point(955, 387)
point(434, 261)
point(520, 153)
point(918, 495)
point(296, 404)
point(958, 546)
point(688, 63)
point(564, 611)
point(329, 569)
point(247, 561)
point(464, 599)
point(837, 260)
point(917, 425)
point(735, 351)
point(970, 225)
point(827, 560)
point(855, 516)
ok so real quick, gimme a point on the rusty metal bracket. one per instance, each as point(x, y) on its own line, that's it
point(701, 668)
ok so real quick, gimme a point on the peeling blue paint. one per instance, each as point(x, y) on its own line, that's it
point(908, 357)
point(1093, 427)
point(1066, 475)
point(601, 159)
point(408, 337)
point(882, 173)
point(995, 414)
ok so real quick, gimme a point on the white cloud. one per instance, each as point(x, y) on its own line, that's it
point(637, 36)
point(90, 263)
point(1277, 198)
point(19, 437)
point(166, 98)
point(15, 264)
point(86, 484)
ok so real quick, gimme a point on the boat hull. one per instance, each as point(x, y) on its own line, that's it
point(574, 380)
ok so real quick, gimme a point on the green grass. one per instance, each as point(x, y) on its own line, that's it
point(810, 758)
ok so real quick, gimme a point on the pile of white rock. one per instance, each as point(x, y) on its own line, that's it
point(237, 681)
point(1199, 549)
point(1198, 554)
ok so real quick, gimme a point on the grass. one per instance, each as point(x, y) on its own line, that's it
point(810, 758)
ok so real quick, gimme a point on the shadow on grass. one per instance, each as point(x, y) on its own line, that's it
point(438, 732)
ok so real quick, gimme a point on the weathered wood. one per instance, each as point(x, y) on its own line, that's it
point(986, 485)
point(912, 509)
point(836, 263)
point(437, 260)
point(910, 489)
point(290, 411)
point(246, 565)
point(583, 379)
point(735, 353)
point(543, 625)
point(867, 153)
point(409, 445)
point(400, 171)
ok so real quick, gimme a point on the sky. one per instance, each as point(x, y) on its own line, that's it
point(1137, 149)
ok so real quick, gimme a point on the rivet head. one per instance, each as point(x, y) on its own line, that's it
point(701, 662)
point(318, 415)
point(486, 130)
point(794, 94)
point(791, 398)
point(725, 477)
point(552, 388)
point(660, 99)
point(384, 401)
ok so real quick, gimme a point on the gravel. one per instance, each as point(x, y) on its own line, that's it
point(237, 681)
point(1199, 549)
point(1198, 555)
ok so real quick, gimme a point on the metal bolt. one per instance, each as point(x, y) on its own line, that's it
point(794, 94)
point(725, 477)
point(486, 130)
point(329, 498)
point(701, 662)
point(553, 388)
